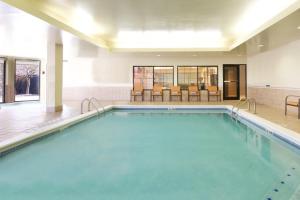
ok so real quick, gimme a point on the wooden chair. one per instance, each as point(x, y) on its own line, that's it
point(193, 92)
point(213, 92)
point(175, 92)
point(294, 102)
point(138, 90)
point(157, 91)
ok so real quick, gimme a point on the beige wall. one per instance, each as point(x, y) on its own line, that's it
point(108, 75)
point(279, 68)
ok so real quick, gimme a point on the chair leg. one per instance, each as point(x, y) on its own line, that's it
point(285, 110)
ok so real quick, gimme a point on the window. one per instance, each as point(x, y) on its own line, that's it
point(2, 79)
point(27, 80)
point(144, 76)
point(148, 76)
point(186, 76)
point(207, 76)
point(164, 76)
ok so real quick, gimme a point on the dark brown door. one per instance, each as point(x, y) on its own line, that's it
point(2, 80)
point(231, 81)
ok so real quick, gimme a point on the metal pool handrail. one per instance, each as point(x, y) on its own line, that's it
point(82, 104)
point(250, 101)
point(253, 102)
point(93, 99)
point(91, 102)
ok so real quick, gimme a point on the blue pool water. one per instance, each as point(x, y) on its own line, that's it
point(153, 155)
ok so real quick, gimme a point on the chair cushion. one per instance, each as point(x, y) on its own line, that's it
point(156, 93)
point(194, 93)
point(137, 93)
point(175, 93)
point(214, 93)
point(292, 103)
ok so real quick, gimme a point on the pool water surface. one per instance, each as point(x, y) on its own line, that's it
point(161, 155)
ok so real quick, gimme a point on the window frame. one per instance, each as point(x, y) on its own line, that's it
point(153, 76)
point(185, 66)
point(164, 67)
point(200, 66)
point(15, 74)
point(207, 67)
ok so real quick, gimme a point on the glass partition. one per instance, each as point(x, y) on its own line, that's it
point(207, 76)
point(164, 76)
point(148, 76)
point(144, 76)
point(27, 80)
point(186, 76)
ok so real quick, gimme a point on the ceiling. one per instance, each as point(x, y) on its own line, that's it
point(161, 25)
point(283, 32)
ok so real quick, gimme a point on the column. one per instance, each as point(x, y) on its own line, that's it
point(54, 80)
point(10, 80)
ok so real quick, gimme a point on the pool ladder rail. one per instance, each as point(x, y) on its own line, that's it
point(92, 102)
point(235, 109)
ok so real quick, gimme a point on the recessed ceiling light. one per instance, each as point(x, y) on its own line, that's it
point(158, 55)
point(298, 27)
point(261, 45)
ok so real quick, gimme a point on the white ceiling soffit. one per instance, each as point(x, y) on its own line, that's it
point(156, 25)
point(283, 32)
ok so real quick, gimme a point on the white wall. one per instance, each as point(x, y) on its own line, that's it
point(94, 71)
point(278, 67)
point(24, 36)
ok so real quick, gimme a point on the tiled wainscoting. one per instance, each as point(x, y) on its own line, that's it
point(120, 93)
point(103, 93)
point(274, 97)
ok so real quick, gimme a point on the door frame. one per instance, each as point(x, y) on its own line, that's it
point(238, 85)
point(4, 79)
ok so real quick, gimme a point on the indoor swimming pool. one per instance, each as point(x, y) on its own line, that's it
point(154, 154)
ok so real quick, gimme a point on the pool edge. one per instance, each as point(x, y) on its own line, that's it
point(284, 134)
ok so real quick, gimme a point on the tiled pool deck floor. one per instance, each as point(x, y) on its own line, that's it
point(25, 117)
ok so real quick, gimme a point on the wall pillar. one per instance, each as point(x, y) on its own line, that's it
point(54, 73)
point(10, 80)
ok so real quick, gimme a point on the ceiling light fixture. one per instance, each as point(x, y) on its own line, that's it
point(158, 55)
point(170, 39)
point(260, 45)
point(298, 27)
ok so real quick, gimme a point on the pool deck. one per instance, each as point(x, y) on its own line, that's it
point(25, 117)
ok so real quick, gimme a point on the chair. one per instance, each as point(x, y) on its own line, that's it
point(175, 92)
point(157, 91)
point(213, 92)
point(138, 90)
point(193, 92)
point(294, 102)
